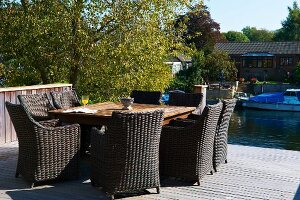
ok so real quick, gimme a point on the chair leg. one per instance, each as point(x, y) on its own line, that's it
point(226, 161)
point(158, 190)
point(198, 183)
point(215, 169)
point(32, 185)
point(211, 172)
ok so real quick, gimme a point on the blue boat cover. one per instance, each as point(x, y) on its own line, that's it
point(298, 95)
point(268, 98)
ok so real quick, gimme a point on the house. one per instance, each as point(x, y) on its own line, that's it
point(275, 61)
point(179, 63)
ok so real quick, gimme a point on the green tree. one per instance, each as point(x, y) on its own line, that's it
point(290, 30)
point(188, 77)
point(105, 48)
point(258, 35)
point(235, 36)
point(297, 74)
point(218, 65)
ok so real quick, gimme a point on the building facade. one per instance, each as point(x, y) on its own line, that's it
point(266, 61)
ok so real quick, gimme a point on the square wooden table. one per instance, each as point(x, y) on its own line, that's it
point(104, 113)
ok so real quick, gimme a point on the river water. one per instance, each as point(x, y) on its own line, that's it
point(271, 129)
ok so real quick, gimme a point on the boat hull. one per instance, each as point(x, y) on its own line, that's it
point(272, 106)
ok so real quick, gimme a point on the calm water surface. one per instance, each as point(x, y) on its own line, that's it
point(272, 129)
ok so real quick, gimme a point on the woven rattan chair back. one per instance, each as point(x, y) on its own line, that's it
point(45, 153)
point(220, 144)
point(65, 99)
point(185, 99)
point(38, 105)
point(186, 152)
point(146, 97)
point(126, 158)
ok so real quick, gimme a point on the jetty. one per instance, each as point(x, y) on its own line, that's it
point(251, 173)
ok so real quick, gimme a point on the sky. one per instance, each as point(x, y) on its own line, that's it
point(237, 14)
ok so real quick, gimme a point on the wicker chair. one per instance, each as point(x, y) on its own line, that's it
point(186, 151)
point(65, 99)
point(46, 151)
point(38, 105)
point(126, 158)
point(220, 144)
point(187, 99)
point(146, 97)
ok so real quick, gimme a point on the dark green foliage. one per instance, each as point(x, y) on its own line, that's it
point(296, 77)
point(188, 77)
point(258, 35)
point(218, 65)
point(235, 36)
point(290, 30)
point(207, 69)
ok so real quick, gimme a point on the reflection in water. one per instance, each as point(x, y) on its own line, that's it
point(273, 129)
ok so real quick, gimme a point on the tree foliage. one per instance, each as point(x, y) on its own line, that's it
point(258, 35)
point(235, 36)
point(188, 77)
point(290, 30)
point(296, 76)
point(218, 65)
point(105, 48)
point(210, 68)
point(201, 30)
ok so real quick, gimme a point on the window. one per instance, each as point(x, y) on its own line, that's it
point(286, 61)
point(258, 62)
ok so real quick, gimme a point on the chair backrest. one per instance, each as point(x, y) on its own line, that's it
point(38, 105)
point(65, 99)
point(134, 145)
point(209, 121)
point(223, 124)
point(185, 99)
point(146, 97)
point(23, 123)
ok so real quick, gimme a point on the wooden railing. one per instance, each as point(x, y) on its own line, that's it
point(7, 131)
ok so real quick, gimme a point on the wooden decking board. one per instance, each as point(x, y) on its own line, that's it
point(252, 173)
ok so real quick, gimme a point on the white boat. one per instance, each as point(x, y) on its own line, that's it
point(281, 101)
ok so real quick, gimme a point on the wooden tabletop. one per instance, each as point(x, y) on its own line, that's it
point(104, 112)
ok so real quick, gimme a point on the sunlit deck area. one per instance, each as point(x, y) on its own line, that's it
point(251, 173)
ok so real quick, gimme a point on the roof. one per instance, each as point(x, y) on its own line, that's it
point(265, 47)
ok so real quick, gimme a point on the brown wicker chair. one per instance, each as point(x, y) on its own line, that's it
point(220, 144)
point(65, 99)
point(186, 151)
point(38, 105)
point(146, 97)
point(126, 158)
point(46, 151)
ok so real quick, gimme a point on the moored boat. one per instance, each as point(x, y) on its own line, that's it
point(281, 101)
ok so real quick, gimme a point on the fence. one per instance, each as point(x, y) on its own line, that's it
point(7, 132)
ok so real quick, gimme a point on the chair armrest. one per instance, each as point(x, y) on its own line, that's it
point(62, 140)
point(50, 123)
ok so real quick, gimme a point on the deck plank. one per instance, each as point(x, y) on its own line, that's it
point(251, 173)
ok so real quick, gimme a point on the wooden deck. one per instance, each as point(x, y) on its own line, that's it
point(251, 173)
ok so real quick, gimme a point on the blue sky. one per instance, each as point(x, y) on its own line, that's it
point(236, 14)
